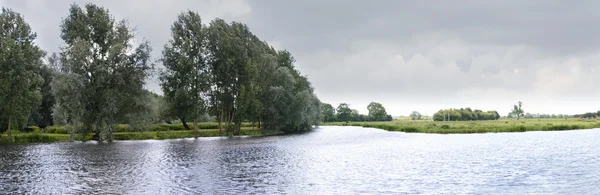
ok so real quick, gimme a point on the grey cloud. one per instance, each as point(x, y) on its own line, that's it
point(469, 52)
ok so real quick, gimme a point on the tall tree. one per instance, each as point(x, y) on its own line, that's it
point(377, 111)
point(344, 113)
point(185, 82)
point(517, 110)
point(20, 62)
point(328, 112)
point(99, 58)
point(43, 115)
point(414, 115)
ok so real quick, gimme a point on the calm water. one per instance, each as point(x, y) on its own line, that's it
point(330, 160)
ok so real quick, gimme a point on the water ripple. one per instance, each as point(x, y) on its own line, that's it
point(330, 160)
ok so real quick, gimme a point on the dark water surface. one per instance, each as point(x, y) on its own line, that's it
point(330, 160)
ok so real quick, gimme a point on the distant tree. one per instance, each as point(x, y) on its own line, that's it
point(517, 110)
point(465, 114)
point(415, 115)
point(327, 112)
point(20, 62)
point(356, 116)
point(377, 111)
point(344, 113)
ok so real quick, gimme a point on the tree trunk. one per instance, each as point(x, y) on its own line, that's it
point(196, 126)
point(185, 124)
point(10, 113)
point(233, 121)
point(220, 121)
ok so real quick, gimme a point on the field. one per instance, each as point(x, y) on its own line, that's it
point(124, 132)
point(456, 127)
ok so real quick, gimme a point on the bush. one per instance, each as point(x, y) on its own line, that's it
point(445, 127)
point(409, 129)
point(56, 130)
point(31, 129)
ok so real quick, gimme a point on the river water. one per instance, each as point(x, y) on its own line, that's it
point(329, 160)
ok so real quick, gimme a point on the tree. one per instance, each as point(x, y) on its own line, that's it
point(185, 82)
point(105, 69)
point(377, 111)
point(465, 114)
point(43, 115)
point(517, 110)
point(415, 115)
point(344, 113)
point(328, 112)
point(20, 62)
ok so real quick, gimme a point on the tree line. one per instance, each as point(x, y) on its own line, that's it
point(343, 113)
point(97, 79)
point(465, 114)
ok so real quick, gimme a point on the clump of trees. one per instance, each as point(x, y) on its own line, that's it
point(97, 79)
point(20, 66)
point(343, 113)
point(225, 70)
point(588, 115)
point(517, 111)
point(465, 114)
point(414, 115)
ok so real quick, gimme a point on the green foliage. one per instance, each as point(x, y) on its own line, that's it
point(377, 112)
point(34, 138)
point(102, 73)
point(42, 116)
point(20, 62)
point(344, 113)
point(517, 110)
point(185, 81)
point(225, 70)
point(327, 112)
point(414, 115)
point(465, 114)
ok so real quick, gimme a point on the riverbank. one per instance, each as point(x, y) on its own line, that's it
point(124, 132)
point(492, 126)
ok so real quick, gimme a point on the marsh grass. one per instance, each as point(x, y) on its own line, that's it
point(492, 126)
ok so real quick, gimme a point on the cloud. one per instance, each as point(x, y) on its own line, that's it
point(408, 55)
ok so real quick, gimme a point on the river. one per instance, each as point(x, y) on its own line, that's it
point(329, 160)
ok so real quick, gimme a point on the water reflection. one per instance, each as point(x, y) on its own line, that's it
point(329, 160)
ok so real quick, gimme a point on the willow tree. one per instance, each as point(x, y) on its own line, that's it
point(106, 70)
point(230, 52)
point(20, 62)
point(185, 82)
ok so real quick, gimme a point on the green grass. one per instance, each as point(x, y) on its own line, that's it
point(34, 138)
point(457, 127)
point(156, 132)
point(152, 128)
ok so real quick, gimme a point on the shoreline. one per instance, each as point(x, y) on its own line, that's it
point(41, 137)
point(472, 127)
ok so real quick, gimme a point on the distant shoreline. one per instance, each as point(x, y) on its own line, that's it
point(485, 126)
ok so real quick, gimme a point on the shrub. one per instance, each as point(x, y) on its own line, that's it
point(445, 127)
point(56, 130)
point(409, 129)
point(519, 128)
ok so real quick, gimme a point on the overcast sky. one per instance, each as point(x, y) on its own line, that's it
point(407, 55)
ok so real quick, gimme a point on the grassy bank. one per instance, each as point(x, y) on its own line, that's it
point(124, 132)
point(456, 127)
